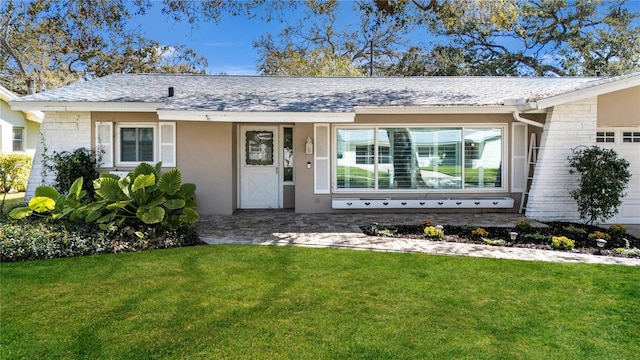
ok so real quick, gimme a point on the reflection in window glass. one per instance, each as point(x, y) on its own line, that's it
point(483, 158)
point(136, 144)
point(287, 153)
point(355, 171)
point(419, 158)
point(18, 139)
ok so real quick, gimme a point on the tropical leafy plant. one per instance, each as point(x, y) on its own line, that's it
point(141, 195)
point(49, 202)
point(603, 179)
point(144, 195)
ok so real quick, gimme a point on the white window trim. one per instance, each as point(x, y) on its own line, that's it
point(505, 171)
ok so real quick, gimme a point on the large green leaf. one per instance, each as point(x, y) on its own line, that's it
point(125, 185)
point(188, 190)
point(155, 202)
point(47, 191)
point(41, 204)
point(76, 188)
point(170, 182)
point(150, 216)
point(143, 181)
point(144, 169)
point(109, 175)
point(20, 213)
point(189, 216)
point(174, 204)
point(119, 204)
point(108, 189)
point(92, 216)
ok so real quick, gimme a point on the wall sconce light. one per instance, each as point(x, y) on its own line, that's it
point(308, 147)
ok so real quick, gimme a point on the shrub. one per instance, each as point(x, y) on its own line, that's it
point(14, 172)
point(34, 239)
point(617, 230)
point(562, 243)
point(575, 230)
point(68, 166)
point(599, 235)
point(425, 223)
point(433, 232)
point(480, 232)
point(603, 179)
point(494, 242)
point(523, 226)
point(537, 238)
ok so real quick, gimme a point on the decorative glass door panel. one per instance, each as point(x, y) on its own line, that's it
point(259, 183)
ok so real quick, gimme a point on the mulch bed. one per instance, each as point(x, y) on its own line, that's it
point(535, 238)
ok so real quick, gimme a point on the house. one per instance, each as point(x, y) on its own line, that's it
point(336, 144)
point(19, 129)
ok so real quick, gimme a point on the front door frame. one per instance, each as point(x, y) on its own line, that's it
point(277, 145)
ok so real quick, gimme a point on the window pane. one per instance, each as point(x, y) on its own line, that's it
point(353, 172)
point(419, 158)
point(128, 144)
point(287, 153)
point(145, 144)
point(483, 158)
point(17, 138)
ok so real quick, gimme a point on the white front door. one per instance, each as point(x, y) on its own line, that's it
point(259, 180)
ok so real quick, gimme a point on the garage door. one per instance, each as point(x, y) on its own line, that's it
point(627, 145)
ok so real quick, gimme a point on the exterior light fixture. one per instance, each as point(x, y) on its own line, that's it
point(513, 235)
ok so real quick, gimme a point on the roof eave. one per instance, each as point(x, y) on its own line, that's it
point(85, 106)
point(609, 87)
point(434, 109)
point(256, 116)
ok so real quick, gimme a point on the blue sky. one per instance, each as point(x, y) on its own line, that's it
point(228, 45)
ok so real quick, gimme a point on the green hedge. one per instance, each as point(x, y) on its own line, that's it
point(14, 172)
point(35, 239)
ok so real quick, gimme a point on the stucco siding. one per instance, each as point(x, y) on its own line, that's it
point(620, 108)
point(63, 131)
point(567, 127)
point(206, 156)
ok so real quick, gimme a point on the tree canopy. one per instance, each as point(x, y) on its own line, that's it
point(49, 43)
point(45, 44)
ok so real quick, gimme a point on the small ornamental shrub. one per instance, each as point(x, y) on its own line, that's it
point(602, 182)
point(433, 232)
point(523, 226)
point(494, 242)
point(575, 230)
point(617, 230)
point(480, 232)
point(599, 235)
point(537, 238)
point(562, 243)
point(69, 166)
point(425, 223)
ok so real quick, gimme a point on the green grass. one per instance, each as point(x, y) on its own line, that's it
point(258, 302)
point(11, 200)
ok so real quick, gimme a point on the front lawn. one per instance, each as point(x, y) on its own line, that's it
point(264, 302)
point(11, 200)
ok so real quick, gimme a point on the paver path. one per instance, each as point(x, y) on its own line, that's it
point(282, 227)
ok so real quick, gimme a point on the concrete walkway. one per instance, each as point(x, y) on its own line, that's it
point(284, 227)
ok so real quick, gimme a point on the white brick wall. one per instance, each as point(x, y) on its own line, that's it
point(62, 131)
point(567, 126)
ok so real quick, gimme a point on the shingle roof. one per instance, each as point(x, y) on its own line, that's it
point(308, 94)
